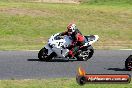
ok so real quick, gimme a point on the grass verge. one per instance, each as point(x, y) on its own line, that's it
point(29, 25)
point(55, 83)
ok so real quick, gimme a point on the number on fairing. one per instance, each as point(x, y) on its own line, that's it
point(60, 43)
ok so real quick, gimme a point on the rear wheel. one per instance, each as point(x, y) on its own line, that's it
point(128, 63)
point(85, 55)
point(91, 51)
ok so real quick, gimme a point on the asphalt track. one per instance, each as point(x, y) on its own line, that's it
point(25, 65)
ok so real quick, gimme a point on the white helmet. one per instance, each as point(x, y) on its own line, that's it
point(71, 27)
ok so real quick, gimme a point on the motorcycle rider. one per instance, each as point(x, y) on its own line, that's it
point(77, 37)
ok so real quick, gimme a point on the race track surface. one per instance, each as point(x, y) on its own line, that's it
point(25, 65)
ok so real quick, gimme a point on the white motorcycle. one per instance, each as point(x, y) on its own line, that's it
point(57, 48)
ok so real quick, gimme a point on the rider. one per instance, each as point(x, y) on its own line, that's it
point(77, 37)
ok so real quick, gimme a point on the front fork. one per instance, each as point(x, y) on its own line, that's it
point(49, 49)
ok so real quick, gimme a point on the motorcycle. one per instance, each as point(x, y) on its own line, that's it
point(57, 48)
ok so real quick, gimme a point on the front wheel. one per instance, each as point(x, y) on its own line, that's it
point(86, 54)
point(43, 55)
point(128, 63)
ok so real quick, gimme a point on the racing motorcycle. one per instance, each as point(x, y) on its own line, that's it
point(57, 47)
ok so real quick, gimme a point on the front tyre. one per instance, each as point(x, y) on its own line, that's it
point(128, 63)
point(43, 55)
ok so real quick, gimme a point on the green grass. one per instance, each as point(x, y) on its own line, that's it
point(16, 0)
point(55, 83)
point(108, 2)
point(29, 25)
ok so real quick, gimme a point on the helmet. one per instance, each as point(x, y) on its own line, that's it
point(71, 28)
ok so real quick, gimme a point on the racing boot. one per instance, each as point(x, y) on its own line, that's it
point(71, 55)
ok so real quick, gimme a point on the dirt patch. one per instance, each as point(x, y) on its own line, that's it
point(21, 11)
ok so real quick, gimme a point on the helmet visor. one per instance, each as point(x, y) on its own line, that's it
point(69, 30)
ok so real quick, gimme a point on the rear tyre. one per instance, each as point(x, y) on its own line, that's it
point(128, 63)
point(86, 54)
point(90, 48)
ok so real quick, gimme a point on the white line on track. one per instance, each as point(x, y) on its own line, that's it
point(31, 50)
point(125, 49)
point(97, 49)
